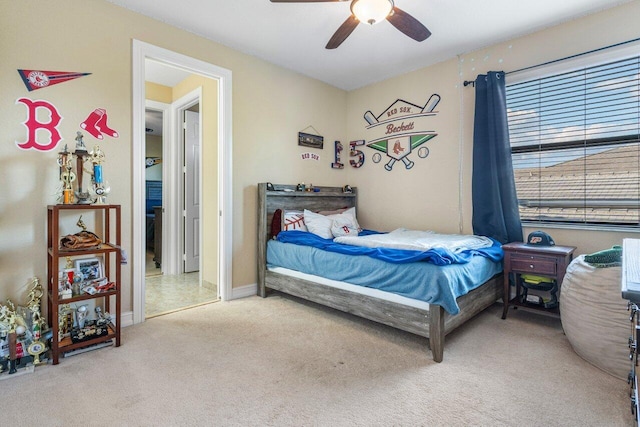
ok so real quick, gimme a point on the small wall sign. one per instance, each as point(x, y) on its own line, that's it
point(310, 140)
point(310, 156)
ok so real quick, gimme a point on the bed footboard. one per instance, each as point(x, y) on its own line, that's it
point(433, 324)
point(399, 316)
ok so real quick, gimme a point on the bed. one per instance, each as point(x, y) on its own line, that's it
point(426, 319)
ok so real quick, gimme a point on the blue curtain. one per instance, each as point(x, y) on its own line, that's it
point(495, 204)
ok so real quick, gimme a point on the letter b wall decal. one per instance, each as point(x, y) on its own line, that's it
point(33, 125)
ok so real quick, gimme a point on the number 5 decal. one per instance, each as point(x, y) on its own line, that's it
point(356, 153)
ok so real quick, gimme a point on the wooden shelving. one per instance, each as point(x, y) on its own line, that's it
point(110, 218)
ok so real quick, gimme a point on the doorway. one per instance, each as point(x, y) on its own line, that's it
point(167, 290)
point(220, 212)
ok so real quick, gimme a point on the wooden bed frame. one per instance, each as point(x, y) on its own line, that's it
point(434, 323)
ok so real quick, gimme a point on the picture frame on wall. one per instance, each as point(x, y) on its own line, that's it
point(90, 268)
point(310, 140)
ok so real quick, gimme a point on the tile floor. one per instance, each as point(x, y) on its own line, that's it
point(167, 293)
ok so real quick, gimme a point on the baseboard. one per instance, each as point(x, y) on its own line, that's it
point(126, 319)
point(244, 291)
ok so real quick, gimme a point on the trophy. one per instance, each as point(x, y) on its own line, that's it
point(10, 314)
point(65, 321)
point(35, 349)
point(82, 195)
point(100, 186)
point(81, 315)
point(67, 177)
point(104, 318)
point(38, 324)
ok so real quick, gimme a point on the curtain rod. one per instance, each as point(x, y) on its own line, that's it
point(473, 83)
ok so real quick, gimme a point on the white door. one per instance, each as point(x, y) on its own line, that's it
point(192, 191)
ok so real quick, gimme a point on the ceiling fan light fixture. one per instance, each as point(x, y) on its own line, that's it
point(371, 11)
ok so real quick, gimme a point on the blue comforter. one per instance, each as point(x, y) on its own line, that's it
point(412, 278)
point(437, 256)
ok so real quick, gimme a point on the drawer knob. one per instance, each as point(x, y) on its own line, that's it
point(531, 266)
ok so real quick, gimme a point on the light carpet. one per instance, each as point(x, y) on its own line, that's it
point(281, 362)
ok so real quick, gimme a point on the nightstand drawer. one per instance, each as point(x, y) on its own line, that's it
point(535, 265)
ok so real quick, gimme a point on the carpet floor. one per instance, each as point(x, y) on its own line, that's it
point(281, 362)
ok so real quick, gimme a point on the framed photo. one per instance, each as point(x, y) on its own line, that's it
point(309, 140)
point(89, 268)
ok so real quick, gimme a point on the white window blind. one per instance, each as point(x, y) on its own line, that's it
point(575, 142)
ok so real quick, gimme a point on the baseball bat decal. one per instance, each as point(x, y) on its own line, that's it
point(431, 103)
point(370, 118)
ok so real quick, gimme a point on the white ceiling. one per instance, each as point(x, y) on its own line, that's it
point(163, 74)
point(293, 35)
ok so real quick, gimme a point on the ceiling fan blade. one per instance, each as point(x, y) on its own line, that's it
point(408, 25)
point(343, 32)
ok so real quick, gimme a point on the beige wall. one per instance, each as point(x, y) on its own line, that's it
point(430, 194)
point(157, 92)
point(270, 106)
point(425, 196)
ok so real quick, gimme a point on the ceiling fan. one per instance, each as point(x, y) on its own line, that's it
point(372, 12)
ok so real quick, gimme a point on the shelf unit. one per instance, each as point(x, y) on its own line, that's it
point(110, 216)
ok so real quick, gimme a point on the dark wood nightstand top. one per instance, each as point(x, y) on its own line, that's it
point(538, 249)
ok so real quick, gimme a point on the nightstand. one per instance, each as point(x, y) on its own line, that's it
point(520, 258)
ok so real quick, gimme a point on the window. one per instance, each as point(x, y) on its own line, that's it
point(575, 143)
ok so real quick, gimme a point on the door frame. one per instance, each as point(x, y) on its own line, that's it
point(140, 52)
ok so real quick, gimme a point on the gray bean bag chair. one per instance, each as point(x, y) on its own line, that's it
point(594, 316)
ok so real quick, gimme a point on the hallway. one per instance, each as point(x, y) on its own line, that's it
point(169, 293)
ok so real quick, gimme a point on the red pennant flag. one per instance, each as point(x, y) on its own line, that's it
point(35, 79)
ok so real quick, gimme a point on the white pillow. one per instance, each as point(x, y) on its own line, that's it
point(343, 227)
point(350, 214)
point(293, 220)
point(321, 225)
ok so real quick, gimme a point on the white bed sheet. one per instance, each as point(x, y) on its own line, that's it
point(417, 240)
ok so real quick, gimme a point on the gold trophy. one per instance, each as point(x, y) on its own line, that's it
point(37, 347)
point(65, 162)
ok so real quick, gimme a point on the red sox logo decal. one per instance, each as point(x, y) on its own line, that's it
point(33, 125)
point(96, 124)
point(43, 120)
point(400, 136)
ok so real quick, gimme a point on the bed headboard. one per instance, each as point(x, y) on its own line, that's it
point(328, 198)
